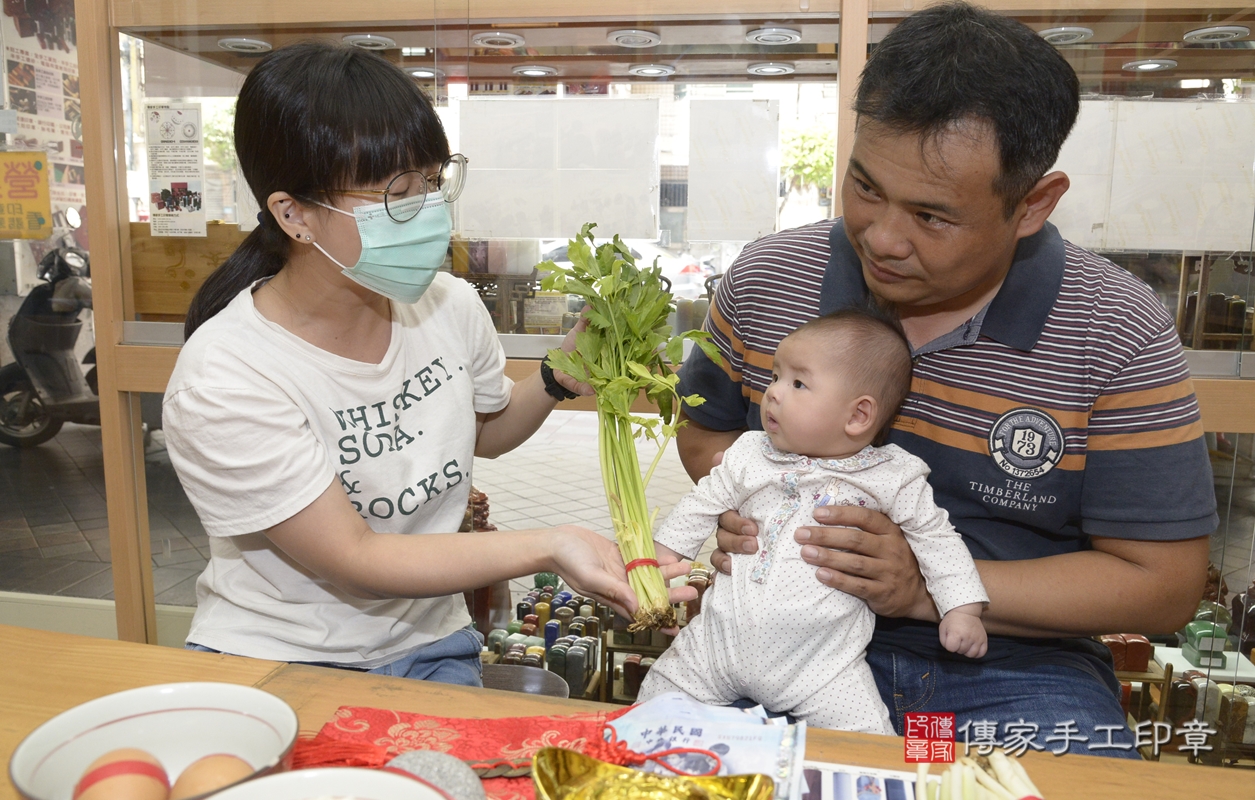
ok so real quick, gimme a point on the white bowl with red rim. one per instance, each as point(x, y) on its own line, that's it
point(336, 782)
point(177, 723)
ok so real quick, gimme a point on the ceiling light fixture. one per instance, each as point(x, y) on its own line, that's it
point(634, 38)
point(535, 71)
point(413, 52)
point(1195, 83)
point(773, 36)
point(370, 41)
point(651, 70)
point(1218, 33)
point(499, 40)
point(1149, 65)
point(771, 68)
point(1068, 34)
point(238, 44)
point(426, 73)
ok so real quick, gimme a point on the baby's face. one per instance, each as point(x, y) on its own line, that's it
point(809, 401)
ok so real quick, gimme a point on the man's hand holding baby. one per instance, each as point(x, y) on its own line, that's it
point(877, 564)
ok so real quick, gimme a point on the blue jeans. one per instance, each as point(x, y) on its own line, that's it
point(1046, 695)
point(453, 659)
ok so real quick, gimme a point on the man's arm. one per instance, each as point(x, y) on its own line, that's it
point(1119, 585)
point(699, 446)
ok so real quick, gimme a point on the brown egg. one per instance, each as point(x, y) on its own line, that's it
point(139, 776)
point(210, 774)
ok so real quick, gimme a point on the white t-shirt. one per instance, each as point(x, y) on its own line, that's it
point(258, 422)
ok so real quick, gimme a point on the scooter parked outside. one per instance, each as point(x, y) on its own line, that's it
point(46, 386)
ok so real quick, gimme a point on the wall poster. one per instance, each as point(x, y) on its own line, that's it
point(41, 85)
point(176, 169)
point(25, 211)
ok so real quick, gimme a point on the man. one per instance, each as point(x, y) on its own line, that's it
point(1050, 396)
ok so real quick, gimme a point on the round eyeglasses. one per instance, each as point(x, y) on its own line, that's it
point(405, 194)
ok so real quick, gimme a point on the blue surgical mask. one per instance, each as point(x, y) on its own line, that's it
point(399, 260)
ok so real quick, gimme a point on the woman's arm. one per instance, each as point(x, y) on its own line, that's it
point(331, 540)
point(504, 430)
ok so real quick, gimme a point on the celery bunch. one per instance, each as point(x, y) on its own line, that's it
point(624, 351)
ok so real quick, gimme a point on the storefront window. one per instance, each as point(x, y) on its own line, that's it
point(689, 135)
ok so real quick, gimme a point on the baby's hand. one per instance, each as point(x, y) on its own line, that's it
point(962, 631)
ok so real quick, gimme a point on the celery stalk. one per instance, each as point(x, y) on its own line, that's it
point(625, 350)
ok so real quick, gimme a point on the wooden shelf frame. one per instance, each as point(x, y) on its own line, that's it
point(126, 370)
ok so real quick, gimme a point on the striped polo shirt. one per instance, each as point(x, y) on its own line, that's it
point(1063, 410)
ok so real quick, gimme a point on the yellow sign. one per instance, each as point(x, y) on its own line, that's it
point(25, 208)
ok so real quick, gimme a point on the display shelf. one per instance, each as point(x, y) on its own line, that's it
point(1243, 672)
point(611, 689)
point(1159, 677)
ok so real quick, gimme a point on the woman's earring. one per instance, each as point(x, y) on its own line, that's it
point(285, 216)
point(307, 237)
point(297, 235)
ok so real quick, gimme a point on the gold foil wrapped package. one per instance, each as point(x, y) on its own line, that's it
point(568, 775)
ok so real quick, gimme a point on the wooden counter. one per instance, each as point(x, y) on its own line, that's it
point(46, 673)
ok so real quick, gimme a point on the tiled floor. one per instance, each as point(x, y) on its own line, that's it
point(54, 538)
point(1233, 544)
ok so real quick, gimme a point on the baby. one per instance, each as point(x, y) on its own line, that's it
point(771, 632)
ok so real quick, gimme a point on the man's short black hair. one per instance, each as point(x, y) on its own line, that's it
point(955, 62)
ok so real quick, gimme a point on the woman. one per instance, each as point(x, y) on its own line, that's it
point(334, 390)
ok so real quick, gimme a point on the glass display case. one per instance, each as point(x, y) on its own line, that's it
point(688, 128)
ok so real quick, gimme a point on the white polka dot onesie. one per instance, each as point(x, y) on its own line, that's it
point(773, 633)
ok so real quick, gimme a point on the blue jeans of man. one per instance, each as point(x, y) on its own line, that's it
point(1047, 696)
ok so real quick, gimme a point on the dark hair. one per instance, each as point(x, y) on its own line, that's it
point(313, 119)
point(872, 351)
point(956, 62)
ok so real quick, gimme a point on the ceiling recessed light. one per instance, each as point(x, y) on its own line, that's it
point(238, 44)
point(770, 68)
point(634, 38)
point(651, 70)
point(1149, 65)
point(535, 71)
point(370, 41)
point(1068, 34)
point(1219, 33)
point(425, 73)
point(497, 39)
point(773, 36)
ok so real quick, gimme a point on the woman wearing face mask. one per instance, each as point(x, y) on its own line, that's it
point(335, 388)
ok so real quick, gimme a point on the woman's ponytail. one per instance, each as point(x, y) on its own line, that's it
point(261, 255)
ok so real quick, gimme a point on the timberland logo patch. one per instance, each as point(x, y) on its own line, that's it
point(1026, 443)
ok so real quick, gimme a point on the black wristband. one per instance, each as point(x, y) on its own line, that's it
point(552, 388)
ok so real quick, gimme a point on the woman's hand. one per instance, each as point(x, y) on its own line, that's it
point(868, 557)
point(568, 346)
point(591, 565)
